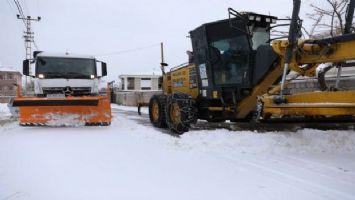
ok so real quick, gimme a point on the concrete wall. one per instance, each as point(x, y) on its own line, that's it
point(155, 83)
point(133, 98)
point(5, 99)
point(308, 85)
point(7, 85)
point(137, 83)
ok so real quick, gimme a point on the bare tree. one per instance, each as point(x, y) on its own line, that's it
point(328, 18)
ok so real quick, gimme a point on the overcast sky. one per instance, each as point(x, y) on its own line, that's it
point(105, 28)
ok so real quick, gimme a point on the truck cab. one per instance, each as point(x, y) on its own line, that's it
point(65, 74)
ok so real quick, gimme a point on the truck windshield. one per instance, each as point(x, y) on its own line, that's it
point(51, 67)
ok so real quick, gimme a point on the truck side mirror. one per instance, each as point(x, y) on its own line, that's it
point(103, 69)
point(26, 67)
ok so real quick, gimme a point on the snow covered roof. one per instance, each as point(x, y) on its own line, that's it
point(8, 69)
point(65, 55)
point(140, 75)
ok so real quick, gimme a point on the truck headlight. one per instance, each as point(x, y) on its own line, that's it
point(40, 75)
point(92, 76)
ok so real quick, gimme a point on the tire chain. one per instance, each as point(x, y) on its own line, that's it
point(188, 112)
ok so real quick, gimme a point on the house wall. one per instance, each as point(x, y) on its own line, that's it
point(137, 96)
point(137, 83)
point(309, 85)
point(134, 98)
point(155, 84)
point(7, 85)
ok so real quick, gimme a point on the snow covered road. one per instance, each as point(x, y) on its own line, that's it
point(132, 160)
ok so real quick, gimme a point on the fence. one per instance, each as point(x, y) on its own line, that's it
point(133, 98)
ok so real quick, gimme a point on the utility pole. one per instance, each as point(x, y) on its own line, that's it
point(29, 39)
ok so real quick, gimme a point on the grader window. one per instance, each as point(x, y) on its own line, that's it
point(233, 63)
point(229, 50)
point(261, 36)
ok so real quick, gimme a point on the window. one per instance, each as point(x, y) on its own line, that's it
point(146, 83)
point(260, 37)
point(233, 60)
point(11, 88)
point(10, 77)
point(130, 84)
point(53, 67)
point(1, 77)
point(122, 81)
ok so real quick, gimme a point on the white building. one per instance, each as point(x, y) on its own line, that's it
point(140, 82)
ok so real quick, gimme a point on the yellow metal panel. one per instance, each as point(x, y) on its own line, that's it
point(183, 81)
point(248, 104)
point(215, 94)
point(167, 83)
point(315, 54)
point(328, 104)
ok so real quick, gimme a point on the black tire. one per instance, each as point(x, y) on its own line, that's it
point(187, 112)
point(160, 120)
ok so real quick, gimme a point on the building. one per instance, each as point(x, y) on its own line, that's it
point(140, 82)
point(9, 78)
point(137, 89)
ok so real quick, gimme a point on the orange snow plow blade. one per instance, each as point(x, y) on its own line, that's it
point(66, 111)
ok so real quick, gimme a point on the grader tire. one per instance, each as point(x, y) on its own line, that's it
point(157, 111)
point(180, 112)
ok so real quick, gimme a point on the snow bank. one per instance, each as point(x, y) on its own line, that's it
point(8, 69)
point(4, 110)
point(302, 141)
point(222, 140)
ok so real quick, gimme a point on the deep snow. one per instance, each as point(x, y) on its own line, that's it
point(4, 110)
point(132, 160)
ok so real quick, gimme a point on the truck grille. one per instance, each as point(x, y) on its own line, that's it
point(75, 91)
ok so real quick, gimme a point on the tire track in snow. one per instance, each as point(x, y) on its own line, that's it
point(305, 185)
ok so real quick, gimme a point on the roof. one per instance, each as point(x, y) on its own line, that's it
point(139, 76)
point(8, 69)
point(65, 55)
point(243, 13)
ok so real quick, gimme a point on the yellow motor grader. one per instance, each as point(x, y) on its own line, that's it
point(239, 74)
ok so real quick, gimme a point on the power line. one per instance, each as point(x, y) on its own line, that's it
point(11, 8)
point(26, 7)
point(28, 33)
point(35, 44)
point(19, 9)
